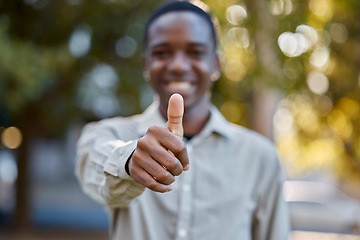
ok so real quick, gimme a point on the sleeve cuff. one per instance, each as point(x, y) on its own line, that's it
point(116, 163)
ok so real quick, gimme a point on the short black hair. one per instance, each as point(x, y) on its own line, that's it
point(177, 6)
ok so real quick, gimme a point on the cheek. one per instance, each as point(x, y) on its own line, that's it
point(156, 66)
point(206, 67)
point(204, 71)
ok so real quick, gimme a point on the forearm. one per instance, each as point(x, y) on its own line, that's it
point(101, 169)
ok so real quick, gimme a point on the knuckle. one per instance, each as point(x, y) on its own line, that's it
point(162, 177)
point(153, 129)
point(141, 144)
point(135, 159)
point(135, 156)
point(136, 175)
point(152, 184)
point(174, 168)
point(180, 147)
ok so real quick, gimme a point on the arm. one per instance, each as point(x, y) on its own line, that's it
point(153, 161)
point(100, 168)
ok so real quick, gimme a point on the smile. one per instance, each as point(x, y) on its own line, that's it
point(180, 85)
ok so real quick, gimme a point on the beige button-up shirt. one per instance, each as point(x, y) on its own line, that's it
point(233, 189)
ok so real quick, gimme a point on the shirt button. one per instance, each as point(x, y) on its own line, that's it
point(182, 233)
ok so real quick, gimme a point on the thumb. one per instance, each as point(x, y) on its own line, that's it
point(175, 114)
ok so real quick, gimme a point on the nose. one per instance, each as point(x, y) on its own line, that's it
point(179, 63)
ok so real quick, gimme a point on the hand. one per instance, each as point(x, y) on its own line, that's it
point(161, 154)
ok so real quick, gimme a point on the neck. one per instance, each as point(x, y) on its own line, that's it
point(196, 118)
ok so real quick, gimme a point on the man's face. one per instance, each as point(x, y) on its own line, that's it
point(180, 57)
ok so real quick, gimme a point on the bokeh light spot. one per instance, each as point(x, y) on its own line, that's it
point(240, 36)
point(232, 111)
point(317, 82)
point(11, 137)
point(236, 14)
point(104, 76)
point(309, 33)
point(323, 9)
point(324, 105)
point(306, 118)
point(293, 44)
point(320, 57)
point(234, 70)
point(80, 41)
point(321, 151)
point(125, 47)
point(338, 32)
point(8, 168)
point(350, 107)
point(283, 121)
point(97, 92)
point(340, 124)
point(278, 7)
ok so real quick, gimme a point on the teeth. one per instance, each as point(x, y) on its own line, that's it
point(181, 85)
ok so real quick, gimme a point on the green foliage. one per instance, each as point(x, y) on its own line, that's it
point(42, 81)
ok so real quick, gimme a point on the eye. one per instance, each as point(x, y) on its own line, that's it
point(160, 53)
point(197, 53)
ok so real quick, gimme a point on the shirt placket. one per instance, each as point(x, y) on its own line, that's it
point(185, 203)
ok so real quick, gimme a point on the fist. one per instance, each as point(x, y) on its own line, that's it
point(161, 154)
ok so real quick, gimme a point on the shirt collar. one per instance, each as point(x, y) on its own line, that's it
point(217, 123)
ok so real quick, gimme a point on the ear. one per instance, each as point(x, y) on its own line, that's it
point(217, 67)
point(145, 64)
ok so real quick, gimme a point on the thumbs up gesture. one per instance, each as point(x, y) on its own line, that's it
point(175, 114)
point(160, 154)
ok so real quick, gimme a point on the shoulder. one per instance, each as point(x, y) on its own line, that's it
point(260, 153)
point(250, 138)
point(120, 120)
point(259, 150)
point(113, 122)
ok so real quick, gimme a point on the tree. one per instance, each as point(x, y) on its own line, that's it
point(63, 61)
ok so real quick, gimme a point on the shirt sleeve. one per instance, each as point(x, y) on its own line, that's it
point(100, 166)
point(271, 220)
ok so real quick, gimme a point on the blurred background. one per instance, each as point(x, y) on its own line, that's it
point(291, 71)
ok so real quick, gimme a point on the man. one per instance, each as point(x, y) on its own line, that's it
point(221, 182)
